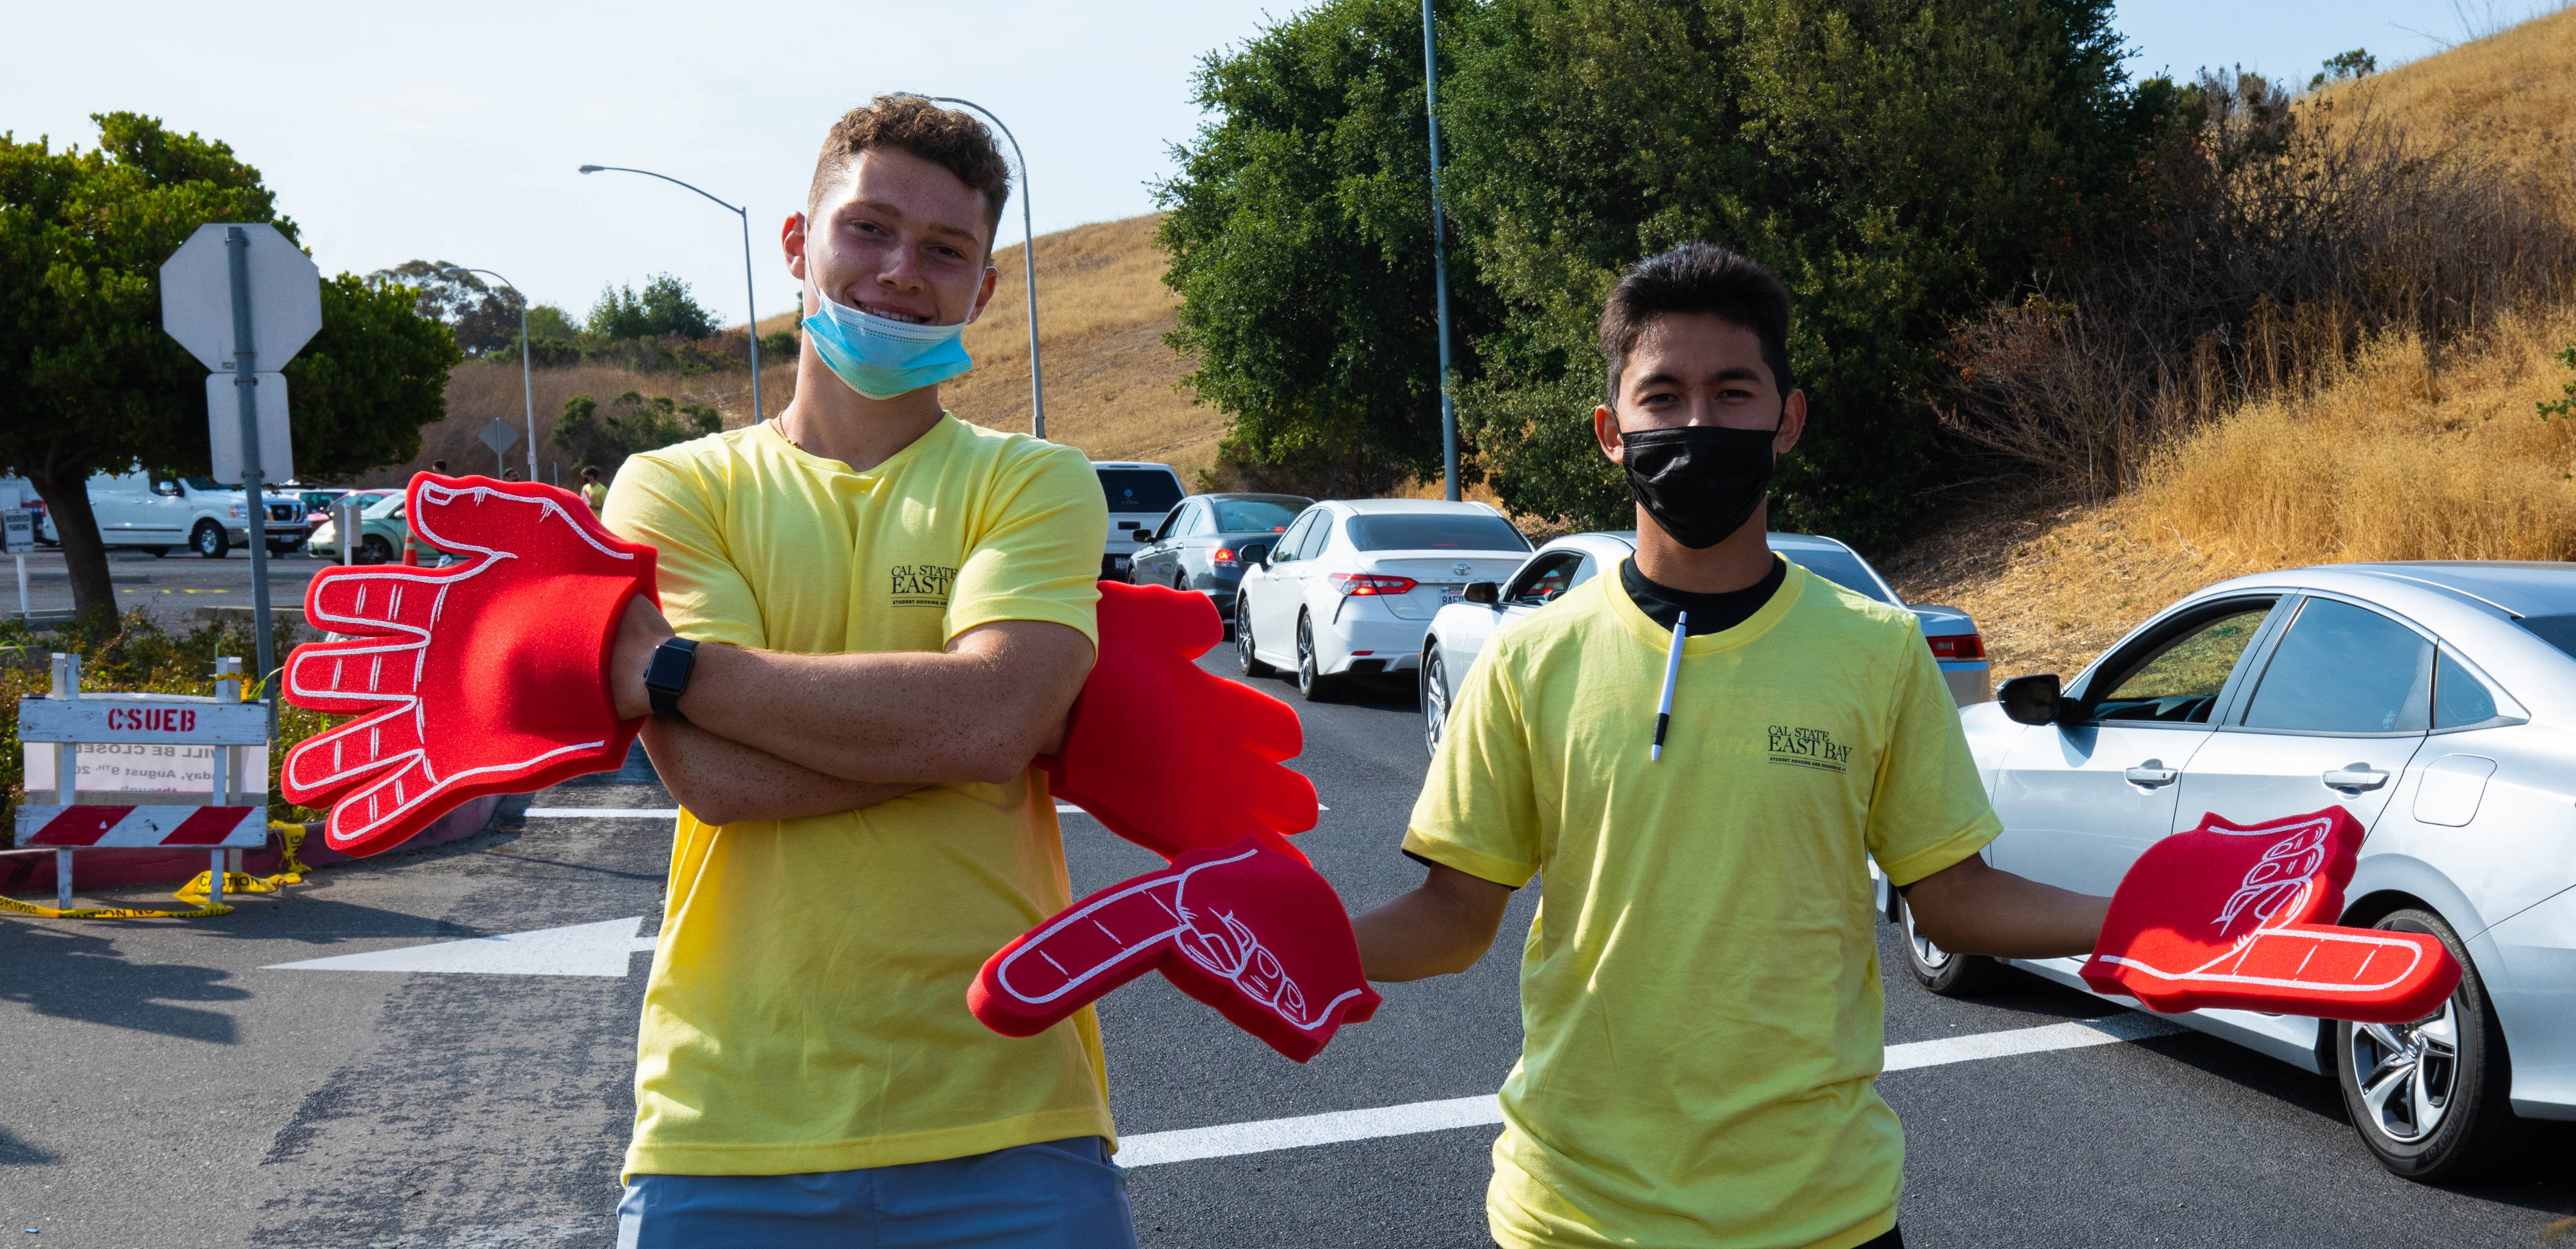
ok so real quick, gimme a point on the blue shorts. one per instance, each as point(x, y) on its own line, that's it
point(1054, 1195)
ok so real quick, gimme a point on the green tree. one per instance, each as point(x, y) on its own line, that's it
point(665, 307)
point(88, 381)
point(633, 423)
point(1899, 162)
point(484, 317)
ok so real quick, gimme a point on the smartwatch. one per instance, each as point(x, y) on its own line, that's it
point(667, 676)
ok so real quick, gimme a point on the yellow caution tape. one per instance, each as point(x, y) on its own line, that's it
point(292, 835)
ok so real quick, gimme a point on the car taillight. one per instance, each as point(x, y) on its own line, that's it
point(1358, 583)
point(1958, 646)
point(1221, 555)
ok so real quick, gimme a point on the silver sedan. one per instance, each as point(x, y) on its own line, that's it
point(2437, 703)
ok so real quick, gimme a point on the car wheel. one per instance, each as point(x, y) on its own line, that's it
point(1435, 699)
point(1243, 656)
point(375, 549)
point(208, 539)
point(2431, 1098)
point(1312, 684)
point(1939, 970)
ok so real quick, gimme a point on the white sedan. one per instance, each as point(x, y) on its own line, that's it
point(1349, 587)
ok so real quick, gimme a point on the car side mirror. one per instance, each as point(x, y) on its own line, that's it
point(1485, 592)
point(2036, 700)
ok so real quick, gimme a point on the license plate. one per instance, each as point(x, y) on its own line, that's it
point(1453, 594)
point(1122, 563)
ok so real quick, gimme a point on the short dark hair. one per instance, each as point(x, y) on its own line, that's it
point(1697, 279)
point(589, 473)
point(947, 138)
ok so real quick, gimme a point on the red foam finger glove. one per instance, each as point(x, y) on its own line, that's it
point(1217, 745)
point(484, 677)
point(2230, 915)
point(1255, 933)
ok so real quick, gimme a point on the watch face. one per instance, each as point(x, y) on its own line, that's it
point(669, 669)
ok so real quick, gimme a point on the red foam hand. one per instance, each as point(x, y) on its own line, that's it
point(2233, 916)
point(1255, 933)
point(484, 677)
point(1217, 745)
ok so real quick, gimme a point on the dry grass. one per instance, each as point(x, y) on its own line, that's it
point(2394, 456)
point(2509, 96)
point(1111, 384)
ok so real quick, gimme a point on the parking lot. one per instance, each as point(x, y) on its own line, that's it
point(169, 588)
point(172, 1084)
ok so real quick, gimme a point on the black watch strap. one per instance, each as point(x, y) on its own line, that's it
point(667, 676)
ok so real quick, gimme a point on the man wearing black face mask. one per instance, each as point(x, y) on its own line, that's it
point(1700, 992)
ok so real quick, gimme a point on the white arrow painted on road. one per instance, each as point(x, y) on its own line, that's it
point(601, 949)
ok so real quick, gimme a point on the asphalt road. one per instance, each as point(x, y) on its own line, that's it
point(169, 588)
point(159, 1085)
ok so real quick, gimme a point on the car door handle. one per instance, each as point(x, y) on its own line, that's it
point(2355, 776)
point(2153, 773)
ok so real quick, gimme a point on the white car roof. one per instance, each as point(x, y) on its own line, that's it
point(1377, 507)
point(1132, 464)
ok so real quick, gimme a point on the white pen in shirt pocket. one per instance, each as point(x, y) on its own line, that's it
point(1672, 675)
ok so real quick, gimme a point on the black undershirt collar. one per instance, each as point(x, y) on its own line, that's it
point(1709, 613)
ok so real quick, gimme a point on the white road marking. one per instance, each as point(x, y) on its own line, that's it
point(602, 813)
point(1269, 1135)
point(601, 949)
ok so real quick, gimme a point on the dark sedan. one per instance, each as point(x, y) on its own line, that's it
point(1206, 542)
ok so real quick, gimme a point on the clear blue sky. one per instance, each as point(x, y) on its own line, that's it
point(452, 131)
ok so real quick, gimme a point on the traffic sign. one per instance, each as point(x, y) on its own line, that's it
point(499, 435)
point(197, 297)
point(223, 427)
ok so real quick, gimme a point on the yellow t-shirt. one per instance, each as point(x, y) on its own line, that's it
point(1700, 989)
point(807, 1008)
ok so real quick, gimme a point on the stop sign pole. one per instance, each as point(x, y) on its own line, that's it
point(246, 392)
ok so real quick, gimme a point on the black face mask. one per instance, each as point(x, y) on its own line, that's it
point(1700, 482)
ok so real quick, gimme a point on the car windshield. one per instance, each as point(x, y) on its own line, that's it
point(1843, 569)
point(209, 483)
point(2558, 631)
point(1420, 531)
point(1255, 515)
point(385, 506)
point(1140, 490)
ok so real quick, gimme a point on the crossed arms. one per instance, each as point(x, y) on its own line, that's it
point(775, 736)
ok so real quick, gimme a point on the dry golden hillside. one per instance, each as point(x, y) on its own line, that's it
point(2509, 96)
point(1112, 387)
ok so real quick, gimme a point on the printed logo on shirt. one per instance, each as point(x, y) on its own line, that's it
point(1807, 748)
point(922, 585)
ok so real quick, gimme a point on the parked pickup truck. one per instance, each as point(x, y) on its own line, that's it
point(153, 512)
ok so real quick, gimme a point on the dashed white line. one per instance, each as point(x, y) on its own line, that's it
point(1269, 1135)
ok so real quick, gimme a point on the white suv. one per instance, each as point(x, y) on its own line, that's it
point(1140, 496)
point(154, 513)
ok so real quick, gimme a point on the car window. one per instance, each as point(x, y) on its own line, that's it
point(1286, 551)
point(1140, 489)
point(1252, 516)
point(1202, 519)
point(2558, 631)
point(2345, 669)
point(389, 505)
point(2459, 698)
point(1547, 577)
point(1434, 532)
point(1843, 569)
point(1172, 524)
point(1318, 533)
point(2180, 683)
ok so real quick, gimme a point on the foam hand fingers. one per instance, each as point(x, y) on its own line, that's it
point(2230, 916)
point(477, 516)
point(1250, 931)
point(322, 767)
point(1220, 778)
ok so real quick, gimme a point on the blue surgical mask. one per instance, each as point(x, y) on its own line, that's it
point(881, 357)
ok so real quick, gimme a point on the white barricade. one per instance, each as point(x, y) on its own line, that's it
point(68, 718)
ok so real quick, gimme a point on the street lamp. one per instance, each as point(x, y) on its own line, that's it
point(527, 382)
point(753, 327)
point(1028, 261)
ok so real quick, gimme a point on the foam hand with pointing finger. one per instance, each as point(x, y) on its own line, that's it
point(2238, 916)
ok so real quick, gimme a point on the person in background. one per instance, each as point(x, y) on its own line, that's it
point(593, 491)
point(439, 467)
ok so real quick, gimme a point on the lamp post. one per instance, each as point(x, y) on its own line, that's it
point(1439, 262)
point(752, 327)
point(1028, 261)
point(527, 380)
